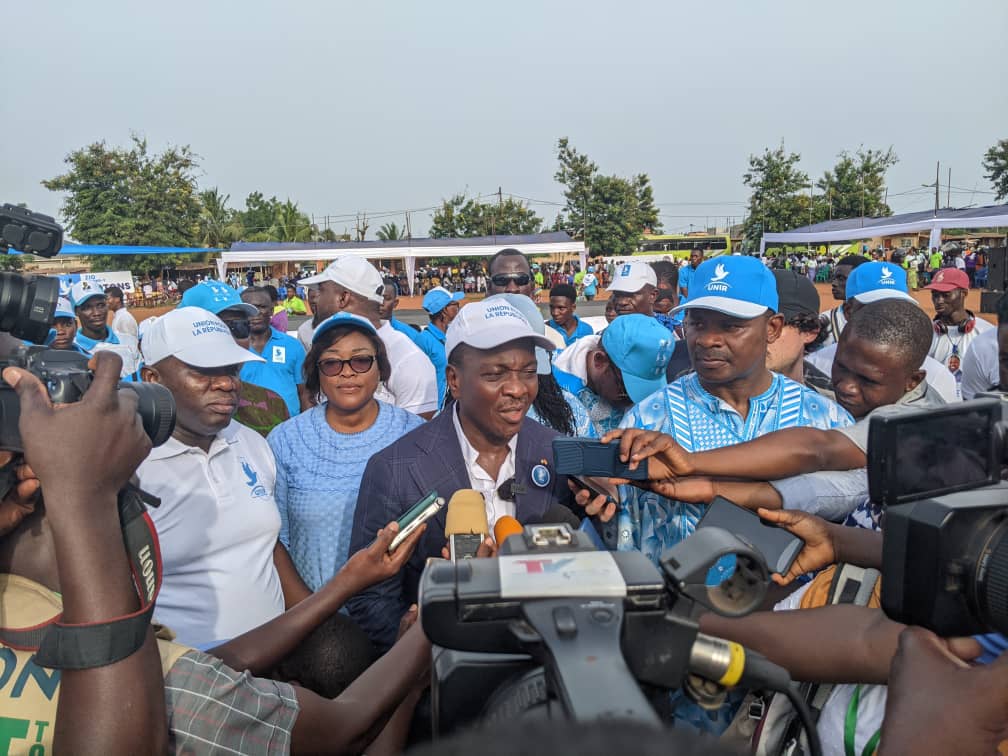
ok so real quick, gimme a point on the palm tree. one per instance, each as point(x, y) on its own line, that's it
point(391, 232)
point(218, 223)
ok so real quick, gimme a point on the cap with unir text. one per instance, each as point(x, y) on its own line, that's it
point(640, 347)
point(195, 336)
point(949, 279)
point(343, 319)
point(438, 298)
point(82, 291)
point(489, 324)
point(64, 309)
point(631, 277)
point(875, 281)
point(215, 297)
point(735, 285)
point(353, 273)
point(796, 295)
point(533, 315)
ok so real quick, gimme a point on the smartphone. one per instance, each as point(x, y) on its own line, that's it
point(778, 546)
point(416, 516)
point(597, 486)
point(590, 457)
point(606, 534)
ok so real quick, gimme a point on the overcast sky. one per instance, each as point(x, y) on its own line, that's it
point(384, 106)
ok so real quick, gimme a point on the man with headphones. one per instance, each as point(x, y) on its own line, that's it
point(955, 327)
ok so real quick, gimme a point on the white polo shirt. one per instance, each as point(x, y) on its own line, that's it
point(413, 383)
point(480, 480)
point(124, 322)
point(981, 370)
point(218, 524)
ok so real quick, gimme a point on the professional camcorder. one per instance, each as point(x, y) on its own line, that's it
point(27, 306)
point(937, 473)
point(553, 628)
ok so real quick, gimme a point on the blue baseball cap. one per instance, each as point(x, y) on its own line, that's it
point(640, 347)
point(215, 297)
point(875, 281)
point(343, 319)
point(438, 298)
point(64, 309)
point(735, 285)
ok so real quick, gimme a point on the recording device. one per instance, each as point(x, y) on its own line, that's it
point(505, 527)
point(553, 627)
point(28, 303)
point(778, 546)
point(66, 376)
point(589, 457)
point(945, 555)
point(416, 516)
point(466, 525)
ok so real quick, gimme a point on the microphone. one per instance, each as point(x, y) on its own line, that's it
point(466, 523)
point(505, 527)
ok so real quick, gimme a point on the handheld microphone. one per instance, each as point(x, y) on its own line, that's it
point(466, 523)
point(505, 527)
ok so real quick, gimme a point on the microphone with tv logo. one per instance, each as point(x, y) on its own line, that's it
point(466, 525)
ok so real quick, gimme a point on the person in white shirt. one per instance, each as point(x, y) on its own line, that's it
point(225, 571)
point(122, 321)
point(351, 284)
point(981, 365)
point(956, 328)
point(873, 282)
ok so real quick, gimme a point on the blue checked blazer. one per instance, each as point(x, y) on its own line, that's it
point(427, 459)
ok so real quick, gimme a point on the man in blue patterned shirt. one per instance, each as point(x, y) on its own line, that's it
point(732, 397)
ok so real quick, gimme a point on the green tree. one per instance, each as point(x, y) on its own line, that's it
point(219, 224)
point(132, 197)
point(265, 220)
point(855, 186)
point(779, 193)
point(995, 162)
point(608, 212)
point(391, 232)
point(466, 217)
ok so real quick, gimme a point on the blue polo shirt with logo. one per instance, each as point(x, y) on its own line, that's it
point(282, 371)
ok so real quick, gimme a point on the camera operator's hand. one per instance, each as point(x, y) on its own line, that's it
point(103, 429)
point(938, 704)
point(819, 550)
point(20, 500)
point(665, 458)
point(374, 564)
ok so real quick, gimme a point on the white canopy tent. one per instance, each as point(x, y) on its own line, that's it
point(407, 250)
point(850, 229)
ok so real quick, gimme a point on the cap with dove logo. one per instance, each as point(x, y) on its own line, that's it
point(742, 287)
point(875, 281)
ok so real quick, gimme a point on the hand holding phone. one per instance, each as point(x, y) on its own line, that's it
point(416, 516)
point(779, 547)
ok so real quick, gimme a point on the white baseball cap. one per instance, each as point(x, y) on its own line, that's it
point(354, 273)
point(82, 291)
point(490, 323)
point(195, 336)
point(631, 277)
point(144, 325)
point(530, 311)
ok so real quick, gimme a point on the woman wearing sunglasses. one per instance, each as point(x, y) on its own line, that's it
point(321, 453)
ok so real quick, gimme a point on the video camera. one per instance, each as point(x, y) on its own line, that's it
point(554, 628)
point(937, 473)
point(27, 306)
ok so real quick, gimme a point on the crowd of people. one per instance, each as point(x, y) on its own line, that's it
point(293, 627)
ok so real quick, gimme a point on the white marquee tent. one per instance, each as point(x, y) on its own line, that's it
point(850, 229)
point(407, 250)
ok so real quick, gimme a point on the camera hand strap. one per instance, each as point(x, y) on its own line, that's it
point(63, 646)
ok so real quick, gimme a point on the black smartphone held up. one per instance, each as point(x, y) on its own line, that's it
point(778, 546)
point(932, 452)
point(589, 457)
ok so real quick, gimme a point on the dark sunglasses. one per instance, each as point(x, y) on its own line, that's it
point(334, 366)
point(240, 329)
point(504, 279)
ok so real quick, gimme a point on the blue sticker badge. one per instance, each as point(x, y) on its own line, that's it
point(540, 476)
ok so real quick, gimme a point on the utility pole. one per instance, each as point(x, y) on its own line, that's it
point(937, 179)
point(948, 196)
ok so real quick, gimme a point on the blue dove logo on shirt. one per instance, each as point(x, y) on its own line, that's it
point(717, 281)
point(252, 481)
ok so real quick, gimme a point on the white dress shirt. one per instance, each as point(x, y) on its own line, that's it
point(413, 383)
point(480, 479)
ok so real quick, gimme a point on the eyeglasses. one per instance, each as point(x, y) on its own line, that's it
point(333, 366)
point(240, 329)
point(503, 279)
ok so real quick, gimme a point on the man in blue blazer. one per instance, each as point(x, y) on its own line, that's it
point(482, 440)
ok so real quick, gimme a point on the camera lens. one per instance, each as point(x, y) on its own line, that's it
point(27, 305)
point(992, 577)
point(156, 407)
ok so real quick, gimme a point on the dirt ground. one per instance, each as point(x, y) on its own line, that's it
point(407, 304)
